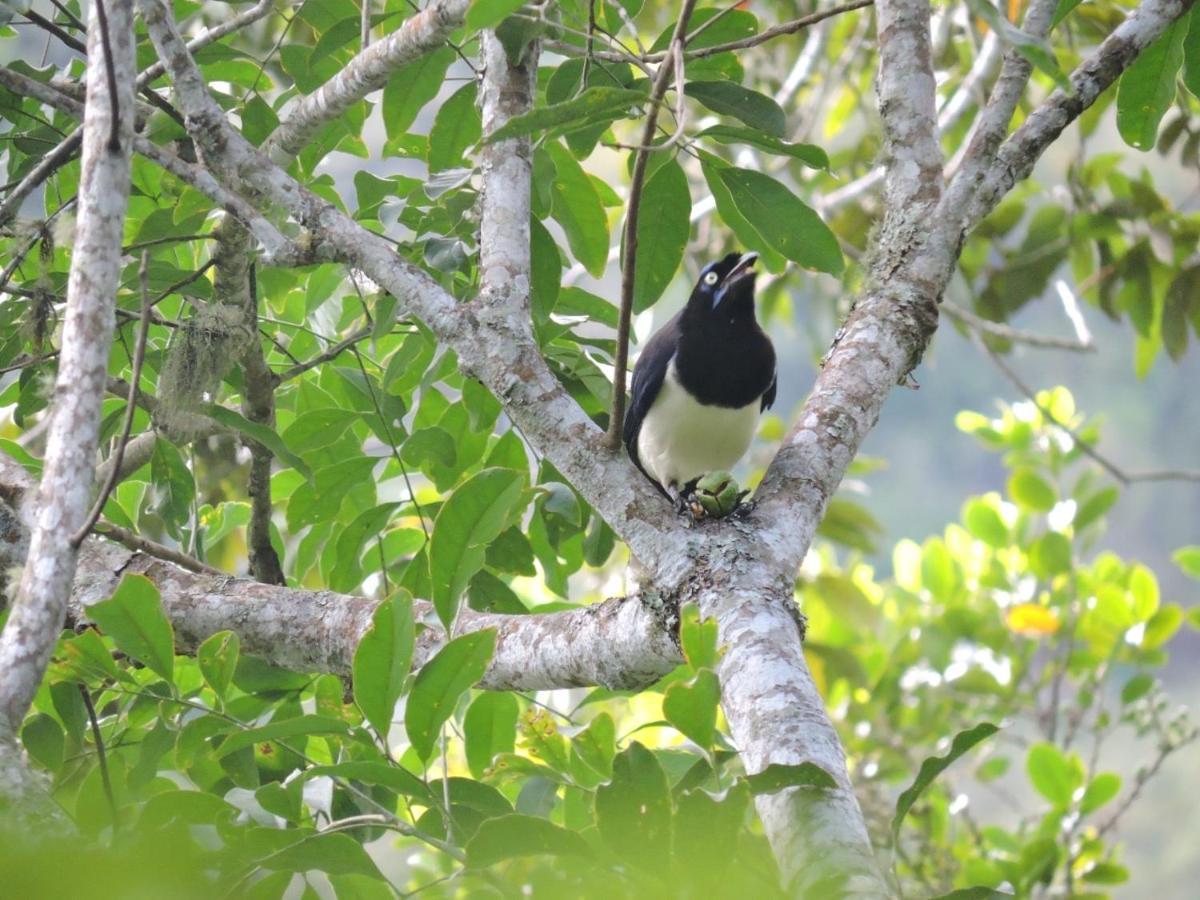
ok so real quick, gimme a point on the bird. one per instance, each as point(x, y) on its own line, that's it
point(701, 383)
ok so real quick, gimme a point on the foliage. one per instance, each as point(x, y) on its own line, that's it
point(397, 477)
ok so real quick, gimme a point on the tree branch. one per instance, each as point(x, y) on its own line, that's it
point(662, 80)
point(40, 606)
point(422, 32)
point(619, 644)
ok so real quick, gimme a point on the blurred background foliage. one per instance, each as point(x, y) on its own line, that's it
point(977, 567)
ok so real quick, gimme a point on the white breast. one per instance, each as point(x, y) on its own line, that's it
point(681, 439)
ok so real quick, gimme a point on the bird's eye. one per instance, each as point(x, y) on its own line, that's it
point(710, 278)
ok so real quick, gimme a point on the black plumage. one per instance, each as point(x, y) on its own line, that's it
point(701, 381)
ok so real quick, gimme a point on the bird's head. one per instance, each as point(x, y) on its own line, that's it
point(725, 286)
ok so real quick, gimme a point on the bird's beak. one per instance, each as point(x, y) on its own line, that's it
point(744, 267)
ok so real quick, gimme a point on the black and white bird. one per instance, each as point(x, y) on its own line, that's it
point(702, 382)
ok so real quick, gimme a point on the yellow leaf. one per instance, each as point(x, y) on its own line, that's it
point(1032, 620)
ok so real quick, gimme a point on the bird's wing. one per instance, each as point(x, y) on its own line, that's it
point(768, 399)
point(648, 376)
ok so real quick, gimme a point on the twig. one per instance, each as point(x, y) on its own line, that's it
point(1123, 476)
point(168, 239)
point(51, 163)
point(136, 542)
point(114, 141)
point(101, 757)
point(139, 355)
point(332, 353)
point(636, 183)
point(1016, 335)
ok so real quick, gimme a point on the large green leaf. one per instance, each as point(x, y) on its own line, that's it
point(577, 208)
point(133, 617)
point(633, 811)
point(784, 220)
point(490, 13)
point(712, 166)
point(261, 433)
point(440, 683)
point(934, 766)
point(455, 128)
point(594, 104)
point(692, 707)
point(728, 99)
point(809, 154)
point(490, 727)
point(662, 233)
point(411, 87)
point(468, 521)
point(218, 659)
point(1147, 87)
point(508, 837)
point(383, 658)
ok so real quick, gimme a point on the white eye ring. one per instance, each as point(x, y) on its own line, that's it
point(710, 278)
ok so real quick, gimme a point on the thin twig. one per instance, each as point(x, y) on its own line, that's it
point(168, 239)
point(139, 544)
point(1123, 476)
point(332, 353)
point(629, 237)
point(101, 757)
point(114, 142)
point(50, 163)
point(139, 354)
point(1016, 335)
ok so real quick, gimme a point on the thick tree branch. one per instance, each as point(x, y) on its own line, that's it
point(40, 606)
point(619, 643)
point(1017, 156)
point(367, 72)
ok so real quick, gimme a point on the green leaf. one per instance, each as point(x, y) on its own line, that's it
point(697, 637)
point(809, 154)
point(978, 892)
point(133, 617)
point(747, 235)
point(633, 811)
point(577, 208)
point(545, 266)
point(411, 87)
point(347, 569)
point(299, 726)
point(174, 483)
point(662, 233)
point(1143, 586)
point(691, 706)
point(1191, 53)
point(1100, 790)
point(393, 777)
point(1052, 774)
point(1050, 555)
point(783, 220)
point(934, 766)
point(334, 853)
point(218, 659)
point(455, 128)
point(1095, 506)
point(1188, 560)
point(508, 837)
point(1147, 88)
point(776, 777)
point(317, 428)
point(983, 521)
point(490, 727)
point(725, 98)
point(1037, 50)
point(1031, 491)
point(383, 659)
point(472, 518)
point(596, 103)
point(490, 13)
point(261, 433)
point(44, 740)
point(439, 684)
